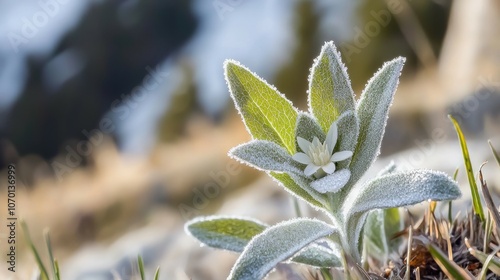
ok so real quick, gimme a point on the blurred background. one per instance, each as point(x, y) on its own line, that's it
point(118, 119)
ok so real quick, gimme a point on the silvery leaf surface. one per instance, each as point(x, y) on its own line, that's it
point(308, 128)
point(348, 129)
point(372, 110)
point(276, 244)
point(300, 190)
point(319, 256)
point(266, 156)
point(234, 233)
point(380, 227)
point(267, 114)
point(332, 183)
point(330, 91)
point(400, 189)
point(228, 233)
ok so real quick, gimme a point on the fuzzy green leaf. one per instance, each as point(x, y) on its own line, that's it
point(276, 244)
point(267, 114)
point(319, 256)
point(234, 233)
point(476, 200)
point(266, 156)
point(307, 128)
point(348, 129)
point(330, 91)
point(381, 225)
point(332, 183)
point(389, 169)
point(401, 189)
point(373, 109)
point(299, 187)
point(228, 233)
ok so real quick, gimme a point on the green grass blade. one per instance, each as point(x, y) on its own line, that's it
point(325, 273)
point(157, 274)
point(476, 200)
point(490, 204)
point(51, 255)
point(58, 271)
point(497, 157)
point(450, 268)
point(43, 271)
point(492, 262)
point(450, 203)
point(140, 264)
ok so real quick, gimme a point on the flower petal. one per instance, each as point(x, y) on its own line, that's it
point(316, 142)
point(302, 158)
point(303, 144)
point(311, 169)
point(329, 168)
point(331, 137)
point(340, 156)
point(333, 182)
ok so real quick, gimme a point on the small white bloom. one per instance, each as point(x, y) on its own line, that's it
point(318, 156)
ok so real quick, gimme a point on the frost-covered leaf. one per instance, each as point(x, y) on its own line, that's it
point(401, 189)
point(266, 156)
point(333, 182)
point(348, 129)
point(308, 128)
point(389, 169)
point(380, 227)
point(234, 233)
point(267, 114)
point(372, 109)
point(276, 244)
point(308, 195)
point(228, 233)
point(319, 256)
point(330, 91)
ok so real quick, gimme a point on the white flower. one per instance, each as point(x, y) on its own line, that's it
point(318, 156)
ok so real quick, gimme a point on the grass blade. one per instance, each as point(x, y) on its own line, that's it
point(43, 271)
point(51, 255)
point(476, 200)
point(450, 203)
point(495, 154)
point(140, 264)
point(58, 271)
point(157, 274)
point(450, 268)
point(489, 200)
point(489, 261)
point(408, 254)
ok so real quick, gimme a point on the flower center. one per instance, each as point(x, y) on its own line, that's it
point(319, 154)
